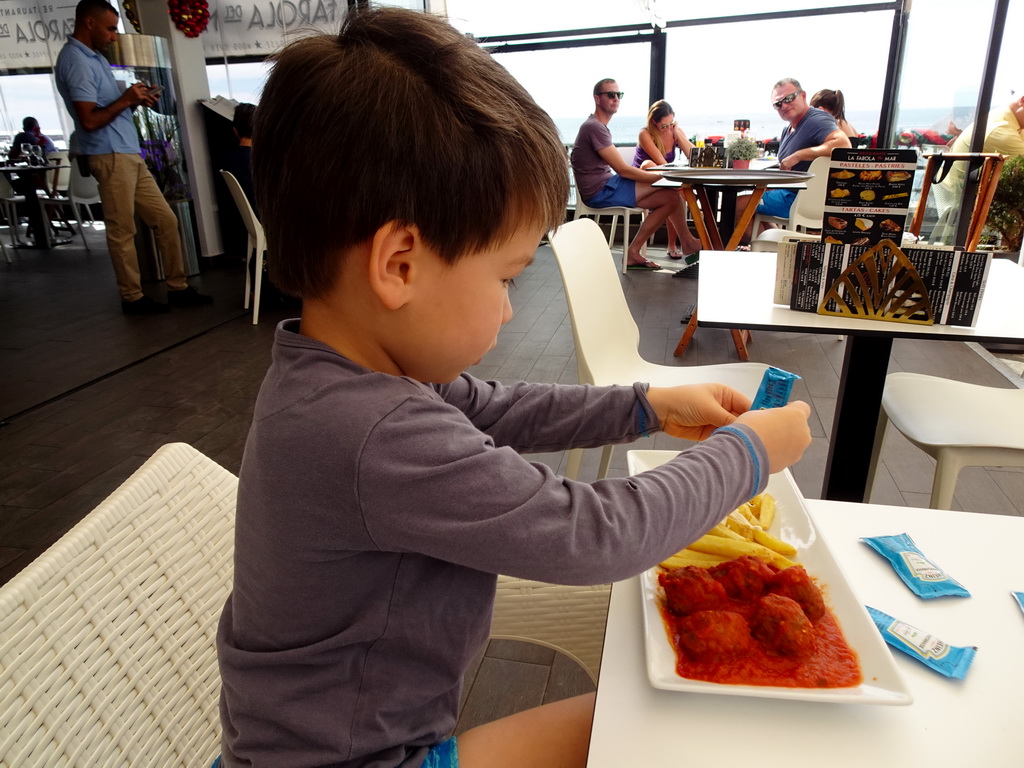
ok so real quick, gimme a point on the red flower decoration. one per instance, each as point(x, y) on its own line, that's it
point(189, 16)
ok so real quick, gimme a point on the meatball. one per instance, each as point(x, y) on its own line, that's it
point(745, 578)
point(794, 583)
point(690, 589)
point(782, 627)
point(712, 635)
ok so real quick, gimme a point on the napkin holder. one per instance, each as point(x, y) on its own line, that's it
point(880, 285)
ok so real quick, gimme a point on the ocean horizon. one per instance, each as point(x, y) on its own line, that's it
point(767, 125)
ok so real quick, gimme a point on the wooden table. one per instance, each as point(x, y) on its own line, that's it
point(736, 290)
point(950, 724)
point(693, 186)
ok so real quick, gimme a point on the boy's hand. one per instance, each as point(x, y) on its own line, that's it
point(783, 431)
point(694, 411)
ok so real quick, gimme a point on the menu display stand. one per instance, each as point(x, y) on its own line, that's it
point(867, 197)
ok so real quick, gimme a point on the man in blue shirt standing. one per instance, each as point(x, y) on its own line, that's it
point(106, 134)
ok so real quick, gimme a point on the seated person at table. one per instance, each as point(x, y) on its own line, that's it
point(382, 488)
point(239, 160)
point(810, 133)
point(1004, 133)
point(604, 179)
point(30, 134)
point(657, 145)
point(834, 103)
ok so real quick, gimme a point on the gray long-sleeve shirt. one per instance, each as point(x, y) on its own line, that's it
point(373, 514)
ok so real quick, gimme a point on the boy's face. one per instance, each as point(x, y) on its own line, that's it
point(462, 308)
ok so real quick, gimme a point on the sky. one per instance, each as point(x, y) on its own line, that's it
point(722, 71)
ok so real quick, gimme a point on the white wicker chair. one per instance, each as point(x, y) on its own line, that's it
point(107, 639)
point(107, 653)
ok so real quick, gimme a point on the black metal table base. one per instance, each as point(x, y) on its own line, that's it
point(856, 418)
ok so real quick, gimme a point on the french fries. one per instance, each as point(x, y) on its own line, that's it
point(744, 531)
point(733, 548)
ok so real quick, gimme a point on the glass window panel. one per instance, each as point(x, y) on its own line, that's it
point(241, 82)
point(709, 98)
point(687, 9)
point(939, 89)
point(568, 97)
point(22, 96)
point(942, 75)
point(486, 17)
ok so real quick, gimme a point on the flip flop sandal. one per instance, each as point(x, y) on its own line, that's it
point(675, 255)
point(649, 266)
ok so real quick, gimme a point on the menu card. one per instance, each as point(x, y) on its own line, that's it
point(932, 284)
point(867, 197)
point(707, 157)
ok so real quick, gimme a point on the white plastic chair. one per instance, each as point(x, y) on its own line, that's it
point(9, 200)
point(568, 619)
point(808, 209)
point(107, 639)
point(57, 179)
point(58, 193)
point(257, 242)
point(616, 212)
point(83, 191)
point(957, 424)
point(606, 335)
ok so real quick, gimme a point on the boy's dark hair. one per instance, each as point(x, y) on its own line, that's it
point(29, 123)
point(403, 119)
point(242, 120)
point(87, 8)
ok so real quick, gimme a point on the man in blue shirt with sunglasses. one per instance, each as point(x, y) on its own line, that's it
point(811, 133)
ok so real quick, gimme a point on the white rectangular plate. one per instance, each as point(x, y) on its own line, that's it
point(882, 681)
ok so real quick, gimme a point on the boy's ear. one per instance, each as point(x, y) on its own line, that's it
point(394, 252)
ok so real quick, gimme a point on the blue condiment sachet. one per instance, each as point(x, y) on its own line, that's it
point(919, 573)
point(776, 386)
point(949, 660)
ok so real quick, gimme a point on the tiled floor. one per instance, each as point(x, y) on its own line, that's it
point(87, 394)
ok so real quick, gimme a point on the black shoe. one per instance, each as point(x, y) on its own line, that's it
point(144, 306)
point(189, 297)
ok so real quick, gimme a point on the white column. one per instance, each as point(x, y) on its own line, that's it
point(188, 67)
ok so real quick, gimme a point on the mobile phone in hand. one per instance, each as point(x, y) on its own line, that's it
point(154, 90)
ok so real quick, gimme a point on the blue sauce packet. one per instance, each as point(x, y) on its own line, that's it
point(1019, 596)
point(919, 573)
point(949, 660)
point(776, 386)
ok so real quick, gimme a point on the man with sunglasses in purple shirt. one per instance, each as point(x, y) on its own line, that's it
point(604, 179)
point(810, 133)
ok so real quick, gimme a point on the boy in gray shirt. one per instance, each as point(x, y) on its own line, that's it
point(382, 489)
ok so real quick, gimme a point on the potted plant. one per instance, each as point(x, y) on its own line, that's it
point(741, 151)
point(1006, 215)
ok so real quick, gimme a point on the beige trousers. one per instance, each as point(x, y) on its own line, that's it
point(126, 188)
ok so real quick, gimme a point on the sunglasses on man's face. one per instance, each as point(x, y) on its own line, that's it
point(786, 99)
point(612, 94)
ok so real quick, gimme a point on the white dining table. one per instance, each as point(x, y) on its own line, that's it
point(950, 724)
point(736, 290)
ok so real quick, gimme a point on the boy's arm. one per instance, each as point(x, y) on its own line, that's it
point(552, 417)
point(431, 484)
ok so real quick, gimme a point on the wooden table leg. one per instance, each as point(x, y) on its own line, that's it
point(707, 230)
point(698, 216)
point(745, 218)
point(691, 326)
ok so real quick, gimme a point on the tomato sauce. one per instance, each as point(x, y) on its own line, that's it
point(734, 651)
